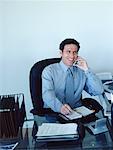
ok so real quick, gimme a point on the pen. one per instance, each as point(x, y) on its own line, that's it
point(15, 145)
point(68, 107)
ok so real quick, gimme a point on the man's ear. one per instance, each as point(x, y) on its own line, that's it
point(60, 53)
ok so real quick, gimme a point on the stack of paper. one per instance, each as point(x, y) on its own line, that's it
point(57, 132)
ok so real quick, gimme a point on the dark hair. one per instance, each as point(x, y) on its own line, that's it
point(68, 41)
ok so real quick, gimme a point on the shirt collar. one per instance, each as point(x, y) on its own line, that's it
point(64, 67)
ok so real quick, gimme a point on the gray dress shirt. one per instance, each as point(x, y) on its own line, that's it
point(53, 85)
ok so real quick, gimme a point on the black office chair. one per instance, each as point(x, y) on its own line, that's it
point(36, 86)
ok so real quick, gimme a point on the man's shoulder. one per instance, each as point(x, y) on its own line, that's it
point(51, 67)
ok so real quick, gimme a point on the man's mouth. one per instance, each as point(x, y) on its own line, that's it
point(70, 60)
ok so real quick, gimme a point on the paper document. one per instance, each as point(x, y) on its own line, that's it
point(84, 111)
point(73, 115)
point(57, 130)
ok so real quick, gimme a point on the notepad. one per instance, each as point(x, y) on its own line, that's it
point(78, 112)
point(84, 111)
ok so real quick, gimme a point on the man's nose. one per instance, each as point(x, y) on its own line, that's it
point(72, 55)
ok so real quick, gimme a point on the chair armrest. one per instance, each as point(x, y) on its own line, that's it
point(42, 112)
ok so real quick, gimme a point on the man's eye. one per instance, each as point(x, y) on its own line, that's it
point(69, 51)
point(75, 53)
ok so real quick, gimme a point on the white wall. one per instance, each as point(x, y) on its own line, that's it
point(31, 30)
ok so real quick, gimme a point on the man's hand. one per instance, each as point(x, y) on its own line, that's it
point(66, 109)
point(81, 63)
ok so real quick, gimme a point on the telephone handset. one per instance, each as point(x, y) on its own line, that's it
point(76, 63)
point(78, 60)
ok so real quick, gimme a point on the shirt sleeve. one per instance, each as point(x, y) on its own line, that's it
point(93, 83)
point(48, 92)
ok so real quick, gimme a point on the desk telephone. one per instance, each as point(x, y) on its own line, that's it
point(99, 126)
point(109, 84)
point(105, 76)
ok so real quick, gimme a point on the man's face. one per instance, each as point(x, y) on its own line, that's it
point(69, 54)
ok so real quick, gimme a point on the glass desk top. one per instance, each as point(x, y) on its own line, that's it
point(101, 141)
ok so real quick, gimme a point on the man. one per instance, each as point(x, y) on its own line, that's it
point(54, 79)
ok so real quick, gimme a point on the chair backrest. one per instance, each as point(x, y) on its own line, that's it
point(35, 82)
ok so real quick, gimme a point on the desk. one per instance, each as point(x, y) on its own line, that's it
point(101, 141)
